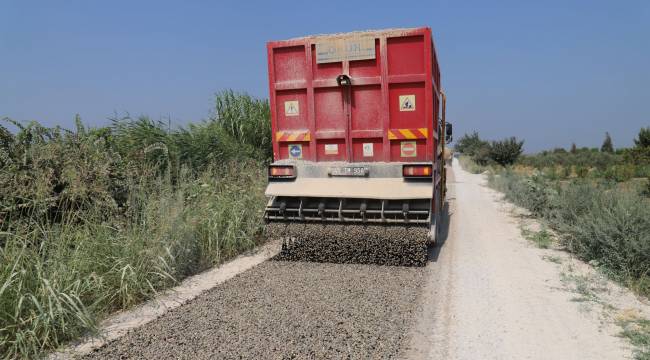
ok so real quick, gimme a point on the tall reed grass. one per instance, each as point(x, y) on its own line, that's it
point(96, 220)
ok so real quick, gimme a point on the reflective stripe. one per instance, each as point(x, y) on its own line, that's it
point(408, 134)
point(286, 136)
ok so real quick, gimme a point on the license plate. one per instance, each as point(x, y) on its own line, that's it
point(349, 171)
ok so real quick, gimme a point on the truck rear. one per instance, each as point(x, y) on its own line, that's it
point(358, 123)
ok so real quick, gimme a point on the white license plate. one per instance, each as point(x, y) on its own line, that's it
point(349, 171)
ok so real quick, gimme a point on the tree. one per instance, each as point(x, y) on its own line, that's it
point(506, 152)
point(470, 144)
point(643, 140)
point(640, 154)
point(607, 144)
point(574, 148)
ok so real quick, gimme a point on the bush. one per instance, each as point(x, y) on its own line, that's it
point(95, 220)
point(470, 165)
point(471, 145)
point(532, 193)
point(600, 223)
point(506, 152)
point(638, 156)
point(582, 171)
point(582, 158)
point(60, 277)
point(614, 231)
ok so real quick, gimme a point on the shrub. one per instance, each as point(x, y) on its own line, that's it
point(59, 278)
point(581, 171)
point(619, 173)
point(471, 144)
point(601, 223)
point(95, 220)
point(532, 193)
point(638, 156)
point(470, 165)
point(583, 157)
point(506, 152)
point(615, 231)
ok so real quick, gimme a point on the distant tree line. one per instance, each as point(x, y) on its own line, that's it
point(508, 151)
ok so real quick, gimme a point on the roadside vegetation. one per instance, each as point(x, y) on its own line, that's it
point(597, 202)
point(93, 220)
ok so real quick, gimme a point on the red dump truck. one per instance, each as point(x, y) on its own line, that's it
point(357, 121)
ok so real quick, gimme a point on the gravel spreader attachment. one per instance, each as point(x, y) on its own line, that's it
point(396, 245)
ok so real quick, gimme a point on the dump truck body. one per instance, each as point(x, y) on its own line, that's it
point(357, 129)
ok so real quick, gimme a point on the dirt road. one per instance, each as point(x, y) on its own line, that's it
point(485, 294)
point(490, 295)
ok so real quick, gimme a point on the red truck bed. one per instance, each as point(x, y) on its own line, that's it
point(388, 113)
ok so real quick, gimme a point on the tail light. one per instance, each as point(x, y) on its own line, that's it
point(282, 172)
point(417, 171)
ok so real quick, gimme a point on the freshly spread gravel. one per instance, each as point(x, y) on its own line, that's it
point(352, 244)
point(285, 310)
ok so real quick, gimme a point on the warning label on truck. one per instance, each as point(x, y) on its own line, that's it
point(408, 149)
point(407, 103)
point(331, 149)
point(291, 108)
point(295, 151)
point(367, 149)
point(355, 48)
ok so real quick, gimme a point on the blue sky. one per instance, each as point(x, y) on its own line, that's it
point(550, 72)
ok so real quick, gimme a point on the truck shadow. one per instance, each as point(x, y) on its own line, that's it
point(445, 219)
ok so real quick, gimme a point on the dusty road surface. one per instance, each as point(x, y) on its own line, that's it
point(484, 294)
point(489, 294)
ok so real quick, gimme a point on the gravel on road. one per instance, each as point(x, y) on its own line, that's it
point(281, 310)
point(397, 245)
point(485, 293)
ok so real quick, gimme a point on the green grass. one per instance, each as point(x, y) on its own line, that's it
point(470, 165)
point(542, 239)
point(97, 220)
point(637, 331)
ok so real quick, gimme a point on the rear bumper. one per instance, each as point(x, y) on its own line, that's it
point(383, 195)
point(354, 188)
point(384, 181)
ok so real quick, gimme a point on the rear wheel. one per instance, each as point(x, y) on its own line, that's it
point(435, 219)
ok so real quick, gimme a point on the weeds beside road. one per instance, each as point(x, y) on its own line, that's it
point(96, 220)
point(601, 223)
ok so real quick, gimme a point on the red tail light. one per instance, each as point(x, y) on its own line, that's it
point(417, 171)
point(282, 172)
